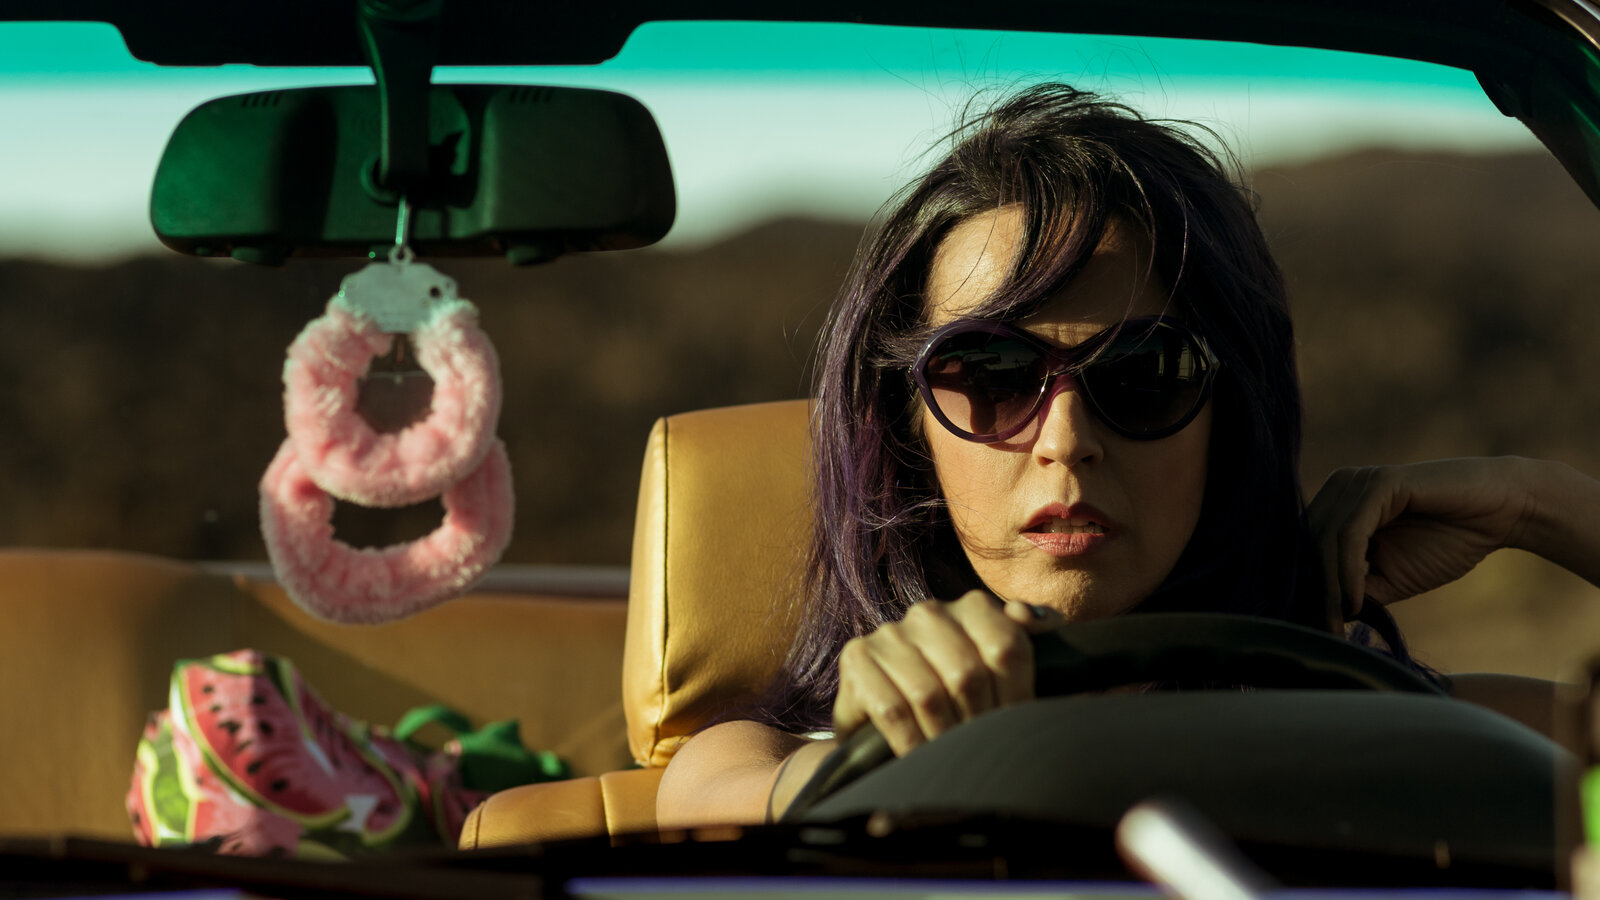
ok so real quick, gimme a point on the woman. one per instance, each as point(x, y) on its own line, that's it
point(1060, 385)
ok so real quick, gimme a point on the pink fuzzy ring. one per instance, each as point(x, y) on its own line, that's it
point(340, 583)
point(343, 454)
point(333, 452)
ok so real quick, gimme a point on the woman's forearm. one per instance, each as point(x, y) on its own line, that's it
point(1563, 518)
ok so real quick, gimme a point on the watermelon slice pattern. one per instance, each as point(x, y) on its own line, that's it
point(146, 762)
point(175, 796)
point(256, 764)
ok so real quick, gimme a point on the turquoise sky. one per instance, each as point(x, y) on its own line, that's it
point(760, 120)
point(51, 51)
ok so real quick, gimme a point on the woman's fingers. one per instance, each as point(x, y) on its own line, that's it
point(1367, 498)
point(908, 678)
point(899, 699)
point(942, 664)
point(1004, 655)
point(949, 637)
point(1323, 514)
point(1343, 516)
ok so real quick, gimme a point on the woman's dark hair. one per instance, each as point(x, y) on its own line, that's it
point(1073, 163)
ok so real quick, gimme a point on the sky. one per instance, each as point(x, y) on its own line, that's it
point(759, 119)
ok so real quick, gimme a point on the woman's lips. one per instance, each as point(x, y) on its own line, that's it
point(1066, 531)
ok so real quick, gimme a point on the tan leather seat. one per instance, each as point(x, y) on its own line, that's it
point(719, 542)
point(90, 638)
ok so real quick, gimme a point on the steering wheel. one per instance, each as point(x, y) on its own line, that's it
point(1165, 648)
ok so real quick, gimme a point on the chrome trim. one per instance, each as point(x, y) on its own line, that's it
point(1582, 15)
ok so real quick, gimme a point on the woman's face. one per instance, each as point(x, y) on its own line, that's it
point(1068, 513)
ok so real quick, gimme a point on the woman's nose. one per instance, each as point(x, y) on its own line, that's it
point(1068, 432)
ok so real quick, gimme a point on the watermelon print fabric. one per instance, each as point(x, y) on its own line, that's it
point(248, 760)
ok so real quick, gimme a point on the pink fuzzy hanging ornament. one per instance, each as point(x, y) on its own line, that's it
point(344, 454)
point(335, 581)
point(332, 452)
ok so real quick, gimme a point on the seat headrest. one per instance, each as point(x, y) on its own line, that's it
point(718, 551)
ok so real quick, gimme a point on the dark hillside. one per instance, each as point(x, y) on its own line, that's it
point(1445, 306)
point(140, 402)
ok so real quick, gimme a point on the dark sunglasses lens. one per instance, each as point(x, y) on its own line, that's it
point(985, 384)
point(1147, 381)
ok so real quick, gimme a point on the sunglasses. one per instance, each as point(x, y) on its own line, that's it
point(1144, 378)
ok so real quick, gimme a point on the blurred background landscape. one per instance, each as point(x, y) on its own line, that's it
point(1445, 306)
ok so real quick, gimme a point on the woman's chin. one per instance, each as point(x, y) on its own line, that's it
point(1077, 595)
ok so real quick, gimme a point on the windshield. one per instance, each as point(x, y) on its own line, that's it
point(1438, 261)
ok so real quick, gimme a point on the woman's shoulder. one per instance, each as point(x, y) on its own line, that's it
point(727, 774)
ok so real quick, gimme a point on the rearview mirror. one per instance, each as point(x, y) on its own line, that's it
point(527, 171)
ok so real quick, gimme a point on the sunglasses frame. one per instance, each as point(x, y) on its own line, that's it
point(1066, 361)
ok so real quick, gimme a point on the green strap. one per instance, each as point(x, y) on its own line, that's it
point(493, 757)
point(414, 720)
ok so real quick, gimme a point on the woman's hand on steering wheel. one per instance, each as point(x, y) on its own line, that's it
point(940, 665)
point(1391, 532)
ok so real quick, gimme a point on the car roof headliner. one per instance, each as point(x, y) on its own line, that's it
point(1538, 60)
point(1463, 33)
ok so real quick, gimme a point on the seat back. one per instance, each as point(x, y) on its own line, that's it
point(719, 544)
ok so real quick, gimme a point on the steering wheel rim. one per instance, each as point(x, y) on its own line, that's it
point(1083, 657)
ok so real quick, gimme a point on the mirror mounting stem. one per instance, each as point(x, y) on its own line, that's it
point(400, 40)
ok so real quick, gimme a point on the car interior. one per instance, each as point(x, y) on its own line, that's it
point(612, 668)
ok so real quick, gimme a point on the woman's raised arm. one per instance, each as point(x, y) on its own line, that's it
point(1392, 532)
